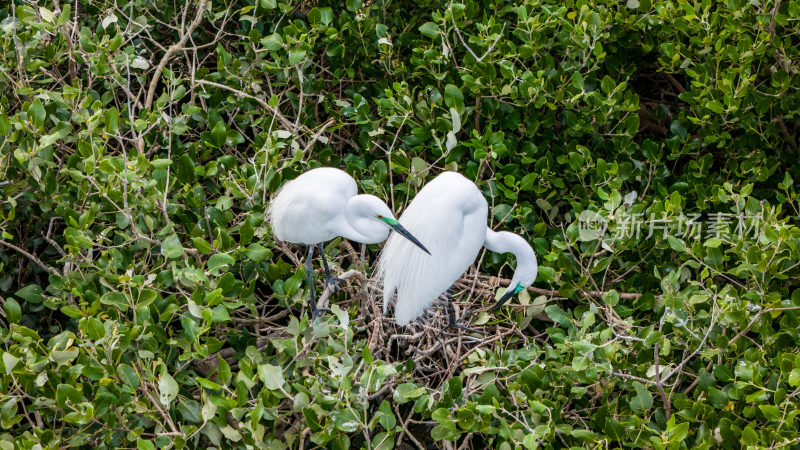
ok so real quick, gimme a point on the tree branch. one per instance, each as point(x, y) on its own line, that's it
point(172, 51)
point(33, 258)
point(281, 118)
point(461, 38)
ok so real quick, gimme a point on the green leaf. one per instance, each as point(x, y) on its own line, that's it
point(219, 134)
point(31, 293)
point(184, 169)
point(429, 29)
point(223, 370)
point(201, 245)
point(557, 315)
point(67, 397)
point(771, 412)
point(219, 261)
point(320, 16)
point(167, 389)
point(296, 57)
point(407, 392)
point(607, 84)
point(714, 258)
point(142, 444)
point(171, 247)
point(272, 42)
point(112, 120)
point(676, 244)
point(128, 375)
point(115, 299)
point(219, 314)
point(245, 233)
point(577, 81)
point(643, 399)
point(614, 430)
point(94, 328)
point(61, 357)
point(208, 384)
point(10, 361)
point(679, 432)
point(257, 252)
point(749, 436)
point(652, 338)
point(715, 106)
point(345, 421)
point(37, 113)
point(62, 130)
point(146, 297)
point(13, 310)
point(387, 419)
point(794, 377)
point(72, 311)
point(271, 376)
point(454, 98)
point(162, 163)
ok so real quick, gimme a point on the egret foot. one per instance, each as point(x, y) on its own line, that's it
point(457, 324)
point(333, 283)
point(317, 312)
point(452, 322)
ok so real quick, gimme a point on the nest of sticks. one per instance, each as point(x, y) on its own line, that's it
point(438, 352)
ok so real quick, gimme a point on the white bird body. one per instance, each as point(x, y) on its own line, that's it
point(312, 208)
point(301, 211)
point(449, 214)
point(322, 204)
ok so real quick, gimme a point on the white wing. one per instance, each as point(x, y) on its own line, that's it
point(449, 217)
point(303, 208)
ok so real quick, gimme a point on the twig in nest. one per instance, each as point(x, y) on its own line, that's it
point(326, 294)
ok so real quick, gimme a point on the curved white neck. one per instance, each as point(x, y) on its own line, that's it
point(505, 242)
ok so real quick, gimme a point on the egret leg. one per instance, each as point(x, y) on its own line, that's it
point(452, 322)
point(330, 280)
point(315, 312)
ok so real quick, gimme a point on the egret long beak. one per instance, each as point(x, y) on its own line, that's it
point(508, 294)
point(401, 230)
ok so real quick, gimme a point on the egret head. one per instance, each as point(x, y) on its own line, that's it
point(374, 209)
point(527, 266)
point(521, 281)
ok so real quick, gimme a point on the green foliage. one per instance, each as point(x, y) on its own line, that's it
point(145, 303)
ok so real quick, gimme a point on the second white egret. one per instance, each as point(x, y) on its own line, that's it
point(449, 214)
point(322, 204)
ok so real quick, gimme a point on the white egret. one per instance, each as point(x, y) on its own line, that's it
point(449, 214)
point(322, 204)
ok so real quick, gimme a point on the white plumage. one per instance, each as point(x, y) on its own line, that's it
point(310, 209)
point(449, 214)
point(322, 204)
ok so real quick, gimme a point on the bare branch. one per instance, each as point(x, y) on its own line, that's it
point(281, 118)
point(32, 258)
point(464, 43)
point(172, 51)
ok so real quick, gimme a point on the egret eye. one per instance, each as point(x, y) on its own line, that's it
point(380, 216)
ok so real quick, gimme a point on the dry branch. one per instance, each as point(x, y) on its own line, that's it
point(32, 257)
point(172, 51)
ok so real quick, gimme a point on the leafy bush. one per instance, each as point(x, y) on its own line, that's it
point(647, 150)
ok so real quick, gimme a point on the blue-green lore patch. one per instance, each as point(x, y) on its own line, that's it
point(389, 220)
